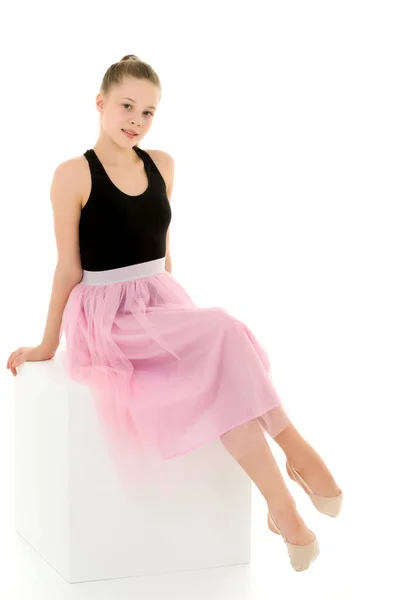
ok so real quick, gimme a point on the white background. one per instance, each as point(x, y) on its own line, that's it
point(283, 120)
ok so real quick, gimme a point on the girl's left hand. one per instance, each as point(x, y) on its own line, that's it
point(26, 354)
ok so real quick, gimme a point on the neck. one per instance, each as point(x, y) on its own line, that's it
point(115, 156)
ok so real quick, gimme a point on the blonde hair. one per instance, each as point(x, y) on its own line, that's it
point(129, 66)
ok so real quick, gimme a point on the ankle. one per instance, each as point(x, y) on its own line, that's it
point(304, 459)
point(292, 526)
point(316, 474)
point(282, 511)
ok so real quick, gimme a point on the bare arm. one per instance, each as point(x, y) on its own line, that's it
point(170, 175)
point(66, 204)
point(166, 165)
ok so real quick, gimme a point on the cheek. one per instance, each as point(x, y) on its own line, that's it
point(112, 120)
point(115, 117)
point(119, 121)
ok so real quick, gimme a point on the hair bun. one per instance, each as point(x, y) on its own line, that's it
point(129, 57)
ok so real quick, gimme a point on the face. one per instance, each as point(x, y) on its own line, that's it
point(129, 106)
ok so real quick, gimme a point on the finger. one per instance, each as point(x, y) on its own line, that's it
point(14, 354)
point(17, 354)
point(10, 359)
point(16, 364)
point(19, 359)
point(14, 358)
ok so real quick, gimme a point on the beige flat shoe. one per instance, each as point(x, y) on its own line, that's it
point(330, 506)
point(301, 557)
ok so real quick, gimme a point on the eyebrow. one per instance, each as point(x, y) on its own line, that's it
point(126, 98)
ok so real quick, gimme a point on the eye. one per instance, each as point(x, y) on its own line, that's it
point(146, 112)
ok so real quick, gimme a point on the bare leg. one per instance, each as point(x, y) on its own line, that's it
point(259, 463)
point(307, 462)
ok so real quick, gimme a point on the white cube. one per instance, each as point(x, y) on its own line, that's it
point(71, 508)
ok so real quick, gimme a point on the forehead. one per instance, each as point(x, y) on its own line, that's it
point(139, 91)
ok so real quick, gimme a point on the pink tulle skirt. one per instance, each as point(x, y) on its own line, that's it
point(167, 376)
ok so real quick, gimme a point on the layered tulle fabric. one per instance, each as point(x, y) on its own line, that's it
point(167, 376)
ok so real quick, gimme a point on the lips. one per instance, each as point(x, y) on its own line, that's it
point(130, 131)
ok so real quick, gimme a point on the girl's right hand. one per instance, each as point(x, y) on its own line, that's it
point(27, 354)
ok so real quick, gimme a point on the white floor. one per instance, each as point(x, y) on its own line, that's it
point(358, 550)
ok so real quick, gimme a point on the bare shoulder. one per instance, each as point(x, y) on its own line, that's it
point(73, 166)
point(165, 164)
point(75, 173)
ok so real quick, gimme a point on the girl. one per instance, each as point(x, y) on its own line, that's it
point(167, 375)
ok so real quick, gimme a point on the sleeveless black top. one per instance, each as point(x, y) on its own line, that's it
point(117, 230)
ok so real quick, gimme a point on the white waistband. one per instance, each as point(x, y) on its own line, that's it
point(144, 269)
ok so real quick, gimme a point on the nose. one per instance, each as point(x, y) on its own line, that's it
point(136, 120)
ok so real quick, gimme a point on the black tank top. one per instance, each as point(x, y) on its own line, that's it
point(117, 230)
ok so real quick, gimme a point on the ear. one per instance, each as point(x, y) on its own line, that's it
point(100, 103)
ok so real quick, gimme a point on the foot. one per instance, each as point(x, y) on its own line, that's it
point(292, 527)
point(315, 473)
point(307, 462)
